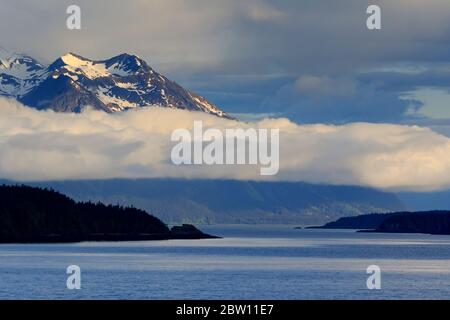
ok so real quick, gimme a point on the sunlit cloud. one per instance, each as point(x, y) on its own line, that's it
point(43, 145)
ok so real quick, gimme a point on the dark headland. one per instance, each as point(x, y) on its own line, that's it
point(33, 215)
point(428, 222)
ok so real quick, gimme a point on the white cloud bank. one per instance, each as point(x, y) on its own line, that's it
point(43, 145)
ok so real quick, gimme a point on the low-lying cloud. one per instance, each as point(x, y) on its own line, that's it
point(43, 145)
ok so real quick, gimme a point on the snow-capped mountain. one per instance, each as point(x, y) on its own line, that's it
point(18, 73)
point(72, 82)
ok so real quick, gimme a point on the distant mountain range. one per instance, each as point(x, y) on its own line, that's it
point(72, 82)
point(232, 201)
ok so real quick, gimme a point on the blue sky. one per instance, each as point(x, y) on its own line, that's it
point(313, 61)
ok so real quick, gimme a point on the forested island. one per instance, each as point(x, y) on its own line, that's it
point(34, 215)
point(428, 222)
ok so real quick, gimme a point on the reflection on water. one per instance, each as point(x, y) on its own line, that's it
point(251, 262)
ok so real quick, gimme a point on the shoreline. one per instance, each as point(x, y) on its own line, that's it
point(184, 232)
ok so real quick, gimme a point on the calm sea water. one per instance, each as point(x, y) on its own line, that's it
point(251, 262)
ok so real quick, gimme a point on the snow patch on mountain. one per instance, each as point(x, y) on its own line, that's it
point(116, 103)
point(90, 69)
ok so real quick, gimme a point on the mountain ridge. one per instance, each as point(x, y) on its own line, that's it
point(231, 201)
point(72, 82)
